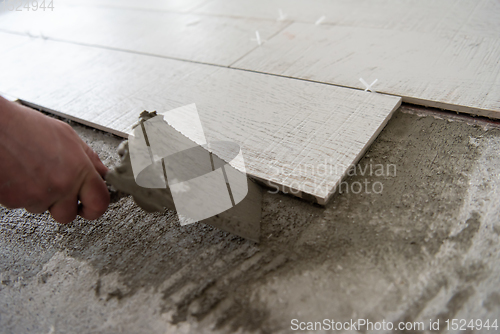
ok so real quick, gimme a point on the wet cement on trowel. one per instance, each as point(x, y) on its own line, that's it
point(422, 249)
point(243, 219)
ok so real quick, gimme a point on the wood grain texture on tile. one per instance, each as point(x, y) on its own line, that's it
point(156, 5)
point(10, 41)
point(199, 38)
point(437, 17)
point(460, 73)
point(297, 136)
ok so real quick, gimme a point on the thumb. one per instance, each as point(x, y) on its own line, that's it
point(94, 158)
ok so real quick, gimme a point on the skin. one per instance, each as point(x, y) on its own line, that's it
point(45, 165)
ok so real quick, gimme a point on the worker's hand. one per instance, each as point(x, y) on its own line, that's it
point(44, 165)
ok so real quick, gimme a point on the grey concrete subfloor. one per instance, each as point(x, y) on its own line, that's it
point(427, 247)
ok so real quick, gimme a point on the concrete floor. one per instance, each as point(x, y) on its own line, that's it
point(427, 247)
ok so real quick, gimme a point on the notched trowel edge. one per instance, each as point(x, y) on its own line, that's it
point(243, 219)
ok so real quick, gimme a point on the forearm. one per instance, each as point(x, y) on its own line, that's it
point(5, 115)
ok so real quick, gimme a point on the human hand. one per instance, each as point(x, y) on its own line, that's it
point(44, 165)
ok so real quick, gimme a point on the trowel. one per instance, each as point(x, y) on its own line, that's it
point(194, 182)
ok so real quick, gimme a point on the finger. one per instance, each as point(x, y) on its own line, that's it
point(94, 158)
point(64, 211)
point(94, 197)
point(36, 209)
point(40, 205)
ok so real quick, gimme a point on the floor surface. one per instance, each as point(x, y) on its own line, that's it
point(425, 247)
